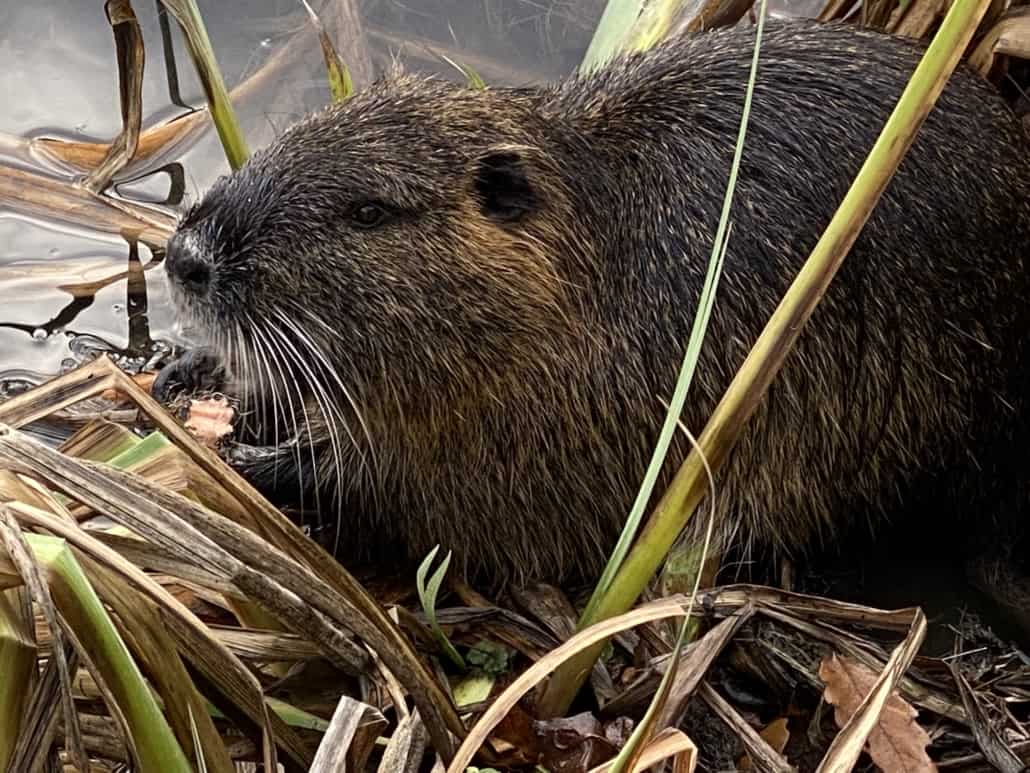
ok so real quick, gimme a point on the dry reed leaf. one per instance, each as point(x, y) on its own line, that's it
point(714, 14)
point(165, 137)
point(42, 716)
point(916, 692)
point(337, 594)
point(917, 18)
point(695, 665)
point(406, 748)
point(87, 155)
point(98, 440)
point(144, 381)
point(212, 541)
point(148, 556)
point(129, 46)
point(658, 610)
point(33, 574)
point(897, 743)
point(988, 737)
point(193, 639)
point(668, 744)
point(58, 201)
point(210, 420)
point(265, 646)
point(729, 598)
point(351, 736)
point(1009, 37)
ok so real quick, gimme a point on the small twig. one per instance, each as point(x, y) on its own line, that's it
point(763, 756)
point(987, 737)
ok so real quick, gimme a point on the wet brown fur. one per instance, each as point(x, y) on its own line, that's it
point(511, 341)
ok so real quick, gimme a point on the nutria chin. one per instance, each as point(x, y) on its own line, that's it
point(484, 298)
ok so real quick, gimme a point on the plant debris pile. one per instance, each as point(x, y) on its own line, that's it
point(129, 629)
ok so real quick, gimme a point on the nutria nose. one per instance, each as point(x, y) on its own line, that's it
point(185, 263)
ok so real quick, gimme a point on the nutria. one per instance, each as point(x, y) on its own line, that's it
point(486, 296)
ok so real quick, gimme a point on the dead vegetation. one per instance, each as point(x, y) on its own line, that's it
point(257, 646)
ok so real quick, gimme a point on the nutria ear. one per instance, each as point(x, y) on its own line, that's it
point(501, 179)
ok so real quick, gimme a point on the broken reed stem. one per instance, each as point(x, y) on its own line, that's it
point(129, 44)
point(203, 55)
point(774, 344)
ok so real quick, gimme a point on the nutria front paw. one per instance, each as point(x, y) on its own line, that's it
point(197, 371)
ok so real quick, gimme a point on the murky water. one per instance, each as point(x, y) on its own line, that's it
point(70, 288)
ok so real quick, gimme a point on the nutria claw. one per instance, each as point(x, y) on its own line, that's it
point(198, 371)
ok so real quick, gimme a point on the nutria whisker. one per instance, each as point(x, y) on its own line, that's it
point(238, 360)
point(327, 368)
point(263, 388)
point(266, 348)
point(331, 414)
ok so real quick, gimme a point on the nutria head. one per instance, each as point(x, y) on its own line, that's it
point(417, 210)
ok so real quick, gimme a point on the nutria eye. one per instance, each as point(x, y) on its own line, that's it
point(368, 215)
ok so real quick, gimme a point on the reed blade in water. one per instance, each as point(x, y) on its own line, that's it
point(341, 85)
point(129, 44)
point(222, 113)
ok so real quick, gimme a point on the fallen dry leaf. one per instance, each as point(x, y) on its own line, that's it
point(210, 419)
point(897, 743)
point(572, 744)
point(776, 734)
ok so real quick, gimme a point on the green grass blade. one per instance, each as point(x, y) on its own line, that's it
point(290, 714)
point(473, 78)
point(568, 678)
point(152, 738)
point(690, 358)
point(341, 85)
point(618, 18)
point(203, 54)
point(427, 595)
